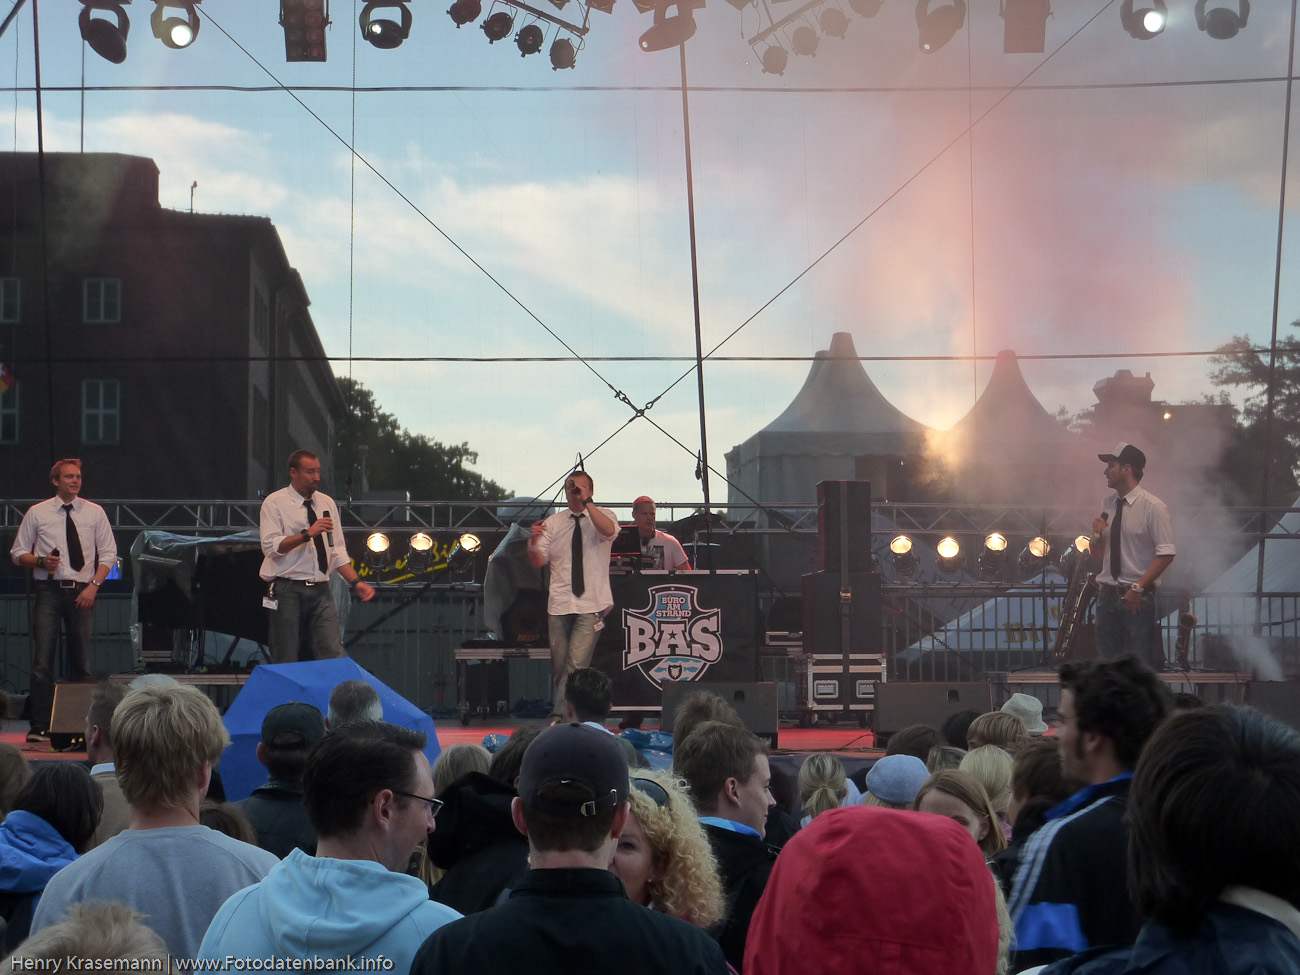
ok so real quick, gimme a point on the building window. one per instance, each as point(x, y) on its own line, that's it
point(103, 301)
point(10, 301)
point(101, 411)
point(9, 415)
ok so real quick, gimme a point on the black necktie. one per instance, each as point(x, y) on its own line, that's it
point(579, 583)
point(76, 558)
point(1115, 538)
point(320, 542)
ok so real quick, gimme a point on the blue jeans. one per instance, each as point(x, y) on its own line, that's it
point(305, 624)
point(1120, 631)
point(55, 610)
point(573, 643)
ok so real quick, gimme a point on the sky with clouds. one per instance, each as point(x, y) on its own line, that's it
point(1109, 197)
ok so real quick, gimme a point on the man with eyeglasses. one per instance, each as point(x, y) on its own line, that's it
point(368, 789)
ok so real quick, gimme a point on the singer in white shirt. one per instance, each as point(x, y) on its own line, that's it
point(301, 548)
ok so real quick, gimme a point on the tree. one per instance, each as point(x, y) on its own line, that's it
point(398, 460)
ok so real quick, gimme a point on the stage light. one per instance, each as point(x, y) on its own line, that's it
point(1025, 27)
point(1145, 22)
point(107, 38)
point(378, 26)
point(1222, 23)
point(865, 8)
point(462, 553)
point(904, 558)
point(304, 23)
point(833, 22)
point(379, 551)
point(463, 12)
point(775, 60)
point(669, 31)
point(1034, 555)
point(949, 551)
point(563, 54)
point(176, 32)
point(938, 26)
point(994, 556)
point(419, 552)
point(498, 26)
point(604, 6)
point(804, 41)
point(529, 40)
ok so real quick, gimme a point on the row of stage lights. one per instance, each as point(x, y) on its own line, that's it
point(421, 553)
point(993, 557)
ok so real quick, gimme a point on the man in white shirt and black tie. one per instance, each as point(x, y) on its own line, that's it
point(68, 544)
point(302, 548)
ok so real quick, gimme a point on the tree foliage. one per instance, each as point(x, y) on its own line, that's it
point(398, 460)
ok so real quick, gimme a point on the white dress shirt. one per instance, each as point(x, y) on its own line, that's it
point(44, 528)
point(1146, 531)
point(284, 513)
point(556, 548)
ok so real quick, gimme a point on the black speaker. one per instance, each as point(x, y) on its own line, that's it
point(900, 705)
point(822, 607)
point(844, 525)
point(68, 715)
point(1279, 699)
point(755, 702)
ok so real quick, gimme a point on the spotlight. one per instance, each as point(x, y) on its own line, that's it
point(1025, 30)
point(304, 23)
point(464, 12)
point(563, 54)
point(604, 6)
point(106, 38)
point(462, 553)
point(994, 556)
point(419, 552)
point(1145, 22)
point(669, 31)
point(804, 41)
point(383, 31)
point(1035, 553)
point(1079, 550)
point(938, 26)
point(529, 40)
point(775, 60)
point(949, 551)
point(175, 32)
point(865, 8)
point(1222, 23)
point(498, 26)
point(904, 557)
point(379, 551)
point(833, 22)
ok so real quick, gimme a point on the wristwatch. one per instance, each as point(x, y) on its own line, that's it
point(306, 536)
point(1136, 588)
point(95, 582)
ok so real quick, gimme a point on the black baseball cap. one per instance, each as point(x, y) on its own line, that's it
point(586, 762)
point(294, 723)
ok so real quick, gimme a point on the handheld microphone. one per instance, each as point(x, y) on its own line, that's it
point(329, 536)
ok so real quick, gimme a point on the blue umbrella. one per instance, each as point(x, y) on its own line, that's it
point(310, 681)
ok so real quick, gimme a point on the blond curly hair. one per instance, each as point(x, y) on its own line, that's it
point(686, 883)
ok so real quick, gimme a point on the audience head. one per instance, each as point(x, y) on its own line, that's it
point(663, 855)
point(893, 781)
point(93, 930)
point(510, 756)
point(65, 796)
point(991, 767)
point(944, 756)
point(457, 760)
point(353, 700)
point(573, 787)
point(289, 732)
point(1036, 779)
point(954, 727)
point(14, 772)
point(784, 788)
point(588, 695)
point(226, 817)
point(1108, 710)
point(99, 720)
point(699, 707)
point(916, 739)
point(166, 738)
point(1213, 805)
point(1028, 709)
point(961, 798)
point(727, 772)
point(999, 728)
point(874, 890)
point(370, 782)
point(822, 783)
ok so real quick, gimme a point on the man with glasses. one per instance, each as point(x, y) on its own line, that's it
point(368, 789)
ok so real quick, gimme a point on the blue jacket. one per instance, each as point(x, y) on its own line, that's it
point(31, 852)
point(319, 907)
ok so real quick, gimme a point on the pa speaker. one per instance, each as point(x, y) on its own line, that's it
point(900, 705)
point(824, 606)
point(1279, 699)
point(844, 526)
point(68, 715)
point(755, 702)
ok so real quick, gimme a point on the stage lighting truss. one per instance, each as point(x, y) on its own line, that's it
point(900, 548)
point(530, 38)
point(105, 34)
point(937, 25)
point(1222, 22)
point(386, 23)
point(950, 555)
point(1145, 22)
point(795, 33)
point(304, 23)
point(464, 12)
point(177, 32)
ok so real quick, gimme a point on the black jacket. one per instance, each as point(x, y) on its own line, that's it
point(745, 862)
point(277, 813)
point(476, 842)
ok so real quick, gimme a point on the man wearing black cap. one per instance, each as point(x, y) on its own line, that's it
point(1137, 545)
point(569, 912)
point(289, 731)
